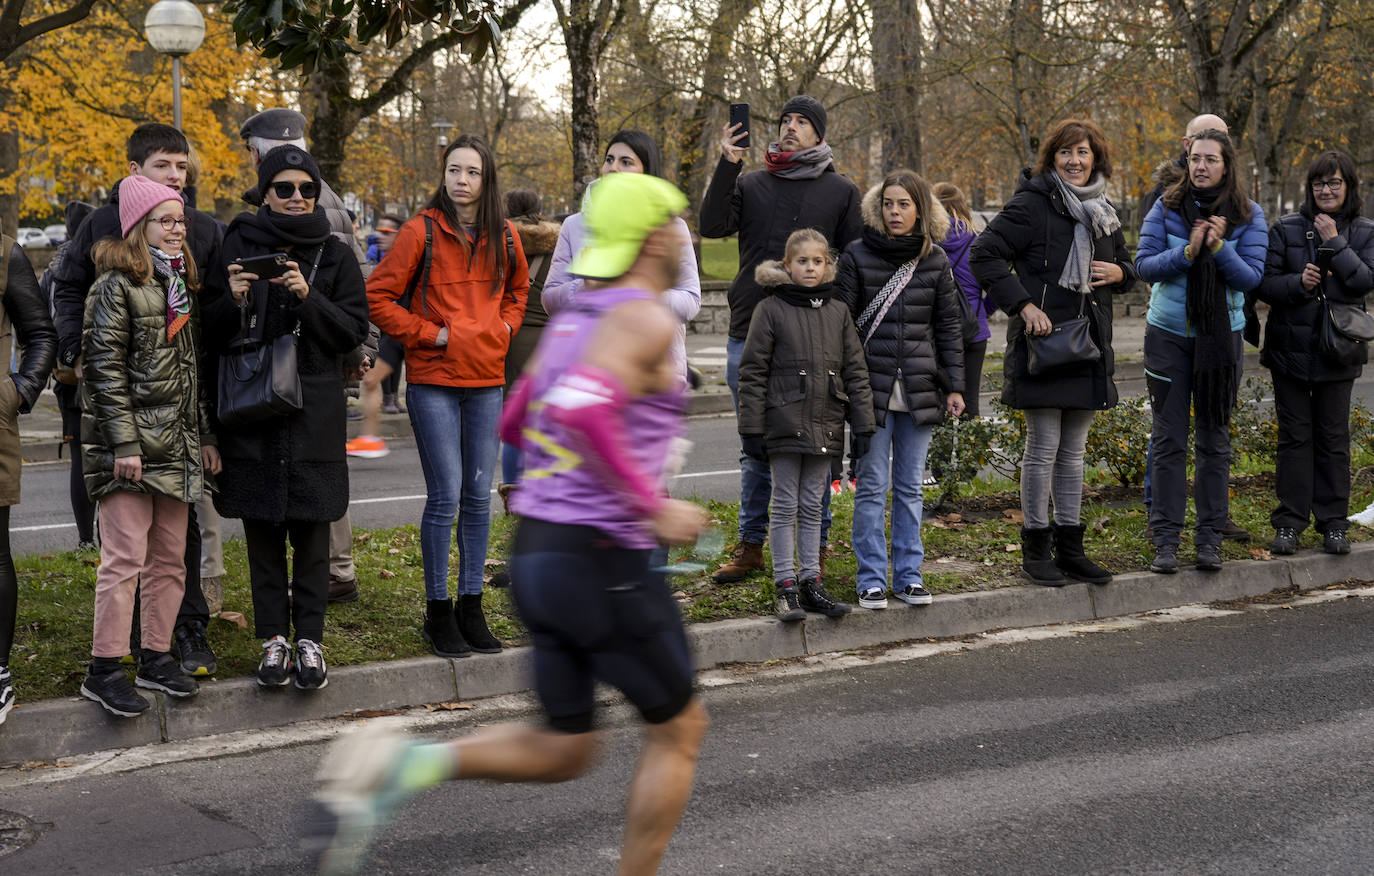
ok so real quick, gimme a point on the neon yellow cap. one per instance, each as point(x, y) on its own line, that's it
point(619, 211)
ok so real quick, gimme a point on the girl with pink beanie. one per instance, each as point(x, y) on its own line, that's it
point(147, 443)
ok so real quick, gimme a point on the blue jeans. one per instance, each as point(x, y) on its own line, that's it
point(512, 463)
point(756, 478)
point(455, 433)
point(908, 444)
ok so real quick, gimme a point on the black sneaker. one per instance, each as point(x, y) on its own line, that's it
point(311, 673)
point(813, 598)
point(787, 603)
point(274, 669)
point(1285, 541)
point(114, 692)
point(1335, 542)
point(165, 674)
point(1166, 559)
point(1209, 557)
point(6, 693)
point(197, 658)
point(915, 594)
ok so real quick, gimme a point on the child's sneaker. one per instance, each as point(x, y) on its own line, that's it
point(873, 598)
point(814, 598)
point(787, 603)
point(915, 594)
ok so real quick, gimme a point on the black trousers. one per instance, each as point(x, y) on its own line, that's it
point(274, 612)
point(1313, 470)
point(973, 376)
point(193, 605)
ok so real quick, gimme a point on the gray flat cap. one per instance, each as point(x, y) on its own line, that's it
point(275, 124)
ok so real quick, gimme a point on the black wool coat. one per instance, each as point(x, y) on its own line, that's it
point(1295, 314)
point(921, 338)
point(290, 467)
point(1034, 234)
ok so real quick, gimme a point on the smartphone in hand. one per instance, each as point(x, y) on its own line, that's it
point(1324, 256)
point(266, 267)
point(739, 115)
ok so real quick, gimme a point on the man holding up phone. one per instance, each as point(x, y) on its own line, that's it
point(798, 188)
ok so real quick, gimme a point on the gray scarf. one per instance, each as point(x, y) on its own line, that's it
point(1094, 217)
point(802, 164)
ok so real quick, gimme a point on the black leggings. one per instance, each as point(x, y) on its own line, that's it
point(83, 509)
point(9, 589)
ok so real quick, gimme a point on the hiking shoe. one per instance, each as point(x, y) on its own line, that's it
point(164, 673)
point(874, 598)
point(813, 598)
point(274, 670)
point(193, 648)
point(1209, 557)
point(505, 491)
point(1233, 531)
point(747, 558)
point(341, 590)
point(114, 692)
point(6, 693)
point(787, 603)
point(311, 673)
point(1285, 541)
point(360, 784)
point(1166, 559)
point(915, 594)
point(366, 447)
point(1335, 542)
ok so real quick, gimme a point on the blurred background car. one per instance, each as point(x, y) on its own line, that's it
point(32, 237)
point(57, 234)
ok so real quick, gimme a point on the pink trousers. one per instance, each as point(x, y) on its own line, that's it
point(143, 546)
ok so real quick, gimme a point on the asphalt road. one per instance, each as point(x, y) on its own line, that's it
point(1236, 744)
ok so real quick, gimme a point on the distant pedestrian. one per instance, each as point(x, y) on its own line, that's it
point(802, 376)
point(1322, 253)
point(376, 400)
point(146, 434)
point(799, 187)
point(1063, 237)
point(1203, 247)
point(957, 245)
point(898, 284)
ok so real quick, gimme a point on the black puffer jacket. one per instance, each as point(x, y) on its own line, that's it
point(28, 314)
point(1290, 334)
point(290, 467)
point(921, 339)
point(1034, 233)
point(802, 372)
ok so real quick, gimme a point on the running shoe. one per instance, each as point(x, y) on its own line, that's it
point(274, 670)
point(311, 673)
point(367, 447)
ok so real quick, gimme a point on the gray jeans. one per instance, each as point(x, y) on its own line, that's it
point(1053, 464)
point(799, 487)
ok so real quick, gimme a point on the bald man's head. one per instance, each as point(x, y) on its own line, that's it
point(1204, 122)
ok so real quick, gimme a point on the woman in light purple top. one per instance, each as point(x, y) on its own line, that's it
point(627, 152)
point(957, 245)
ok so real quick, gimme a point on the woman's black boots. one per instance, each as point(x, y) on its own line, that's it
point(473, 624)
point(441, 630)
point(1072, 561)
point(1037, 558)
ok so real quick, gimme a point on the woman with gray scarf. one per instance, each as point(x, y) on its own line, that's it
point(1063, 239)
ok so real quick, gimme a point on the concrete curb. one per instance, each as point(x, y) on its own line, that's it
point(49, 730)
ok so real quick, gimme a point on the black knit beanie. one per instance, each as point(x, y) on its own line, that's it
point(285, 158)
point(809, 107)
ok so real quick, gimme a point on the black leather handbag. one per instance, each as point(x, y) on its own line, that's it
point(1346, 331)
point(1068, 343)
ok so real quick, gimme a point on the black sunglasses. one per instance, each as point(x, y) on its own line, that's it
point(285, 189)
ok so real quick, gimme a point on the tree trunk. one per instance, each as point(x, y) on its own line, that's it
point(588, 26)
point(335, 118)
point(897, 53)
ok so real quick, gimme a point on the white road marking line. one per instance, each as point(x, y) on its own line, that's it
point(40, 528)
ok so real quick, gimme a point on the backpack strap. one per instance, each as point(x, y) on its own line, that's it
point(421, 278)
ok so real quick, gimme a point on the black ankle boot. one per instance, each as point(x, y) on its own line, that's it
point(473, 624)
point(1072, 561)
point(1037, 559)
point(441, 631)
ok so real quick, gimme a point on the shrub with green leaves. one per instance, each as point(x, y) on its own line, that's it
point(1119, 440)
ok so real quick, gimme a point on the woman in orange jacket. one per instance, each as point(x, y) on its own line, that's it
point(452, 291)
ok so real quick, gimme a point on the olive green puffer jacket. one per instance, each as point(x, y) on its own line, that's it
point(141, 395)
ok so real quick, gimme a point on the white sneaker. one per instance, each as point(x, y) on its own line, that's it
point(1365, 517)
point(873, 598)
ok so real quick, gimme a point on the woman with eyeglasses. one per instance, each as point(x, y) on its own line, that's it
point(1202, 246)
point(1325, 250)
point(287, 476)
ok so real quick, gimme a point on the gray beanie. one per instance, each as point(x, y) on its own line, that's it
point(808, 107)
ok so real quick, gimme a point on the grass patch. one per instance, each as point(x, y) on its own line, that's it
point(719, 258)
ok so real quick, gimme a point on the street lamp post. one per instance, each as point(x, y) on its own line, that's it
point(441, 130)
point(175, 28)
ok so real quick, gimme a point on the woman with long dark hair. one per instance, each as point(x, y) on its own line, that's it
point(1203, 247)
point(1325, 250)
point(460, 266)
point(1064, 239)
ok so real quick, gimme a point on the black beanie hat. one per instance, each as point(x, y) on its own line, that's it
point(809, 107)
point(285, 158)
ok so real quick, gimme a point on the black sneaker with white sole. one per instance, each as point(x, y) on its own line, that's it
point(115, 694)
point(873, 598)
point(164, 673)
point(915, 594)
point(814, 598)
point(274, 670)
point(311, 673)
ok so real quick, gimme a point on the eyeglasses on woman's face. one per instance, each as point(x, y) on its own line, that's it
point(1330, 185)
point(1208, 160)
point(284, 189)
point(169, 222)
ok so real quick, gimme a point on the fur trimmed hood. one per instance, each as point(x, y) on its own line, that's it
point(772, 273)
point(537, 238)
point(1166, 173)
point(872, 205)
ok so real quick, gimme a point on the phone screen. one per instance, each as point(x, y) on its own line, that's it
point(739, 115)
point(266, 267)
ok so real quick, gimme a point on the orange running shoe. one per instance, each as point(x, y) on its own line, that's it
point(367, 447)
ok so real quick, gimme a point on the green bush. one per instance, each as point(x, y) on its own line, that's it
point(1119, 440)
point(960, 449)
point(1254, 425)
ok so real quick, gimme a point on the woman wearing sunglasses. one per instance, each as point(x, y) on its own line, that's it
point(287, 476)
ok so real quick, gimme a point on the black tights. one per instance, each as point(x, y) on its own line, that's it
point(83, 509)
point(9, 589)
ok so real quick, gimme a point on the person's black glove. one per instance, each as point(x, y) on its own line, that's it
point(754, 447)
point(858, 444)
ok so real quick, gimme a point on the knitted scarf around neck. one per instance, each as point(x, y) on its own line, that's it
point(171, 270)
point(1093, 217)
point(802, 164)
point(273, 230)
point(1215, 376)
point(804, 296)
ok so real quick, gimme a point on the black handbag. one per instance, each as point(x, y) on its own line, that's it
point(1068, 343)
point(258, 379)
point(1346, 331)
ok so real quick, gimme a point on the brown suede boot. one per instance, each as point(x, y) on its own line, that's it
point(748, 557)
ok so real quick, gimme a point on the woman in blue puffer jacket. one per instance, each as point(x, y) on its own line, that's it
point(1203, 247)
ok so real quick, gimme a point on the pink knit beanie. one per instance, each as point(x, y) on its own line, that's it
point(138, 195)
